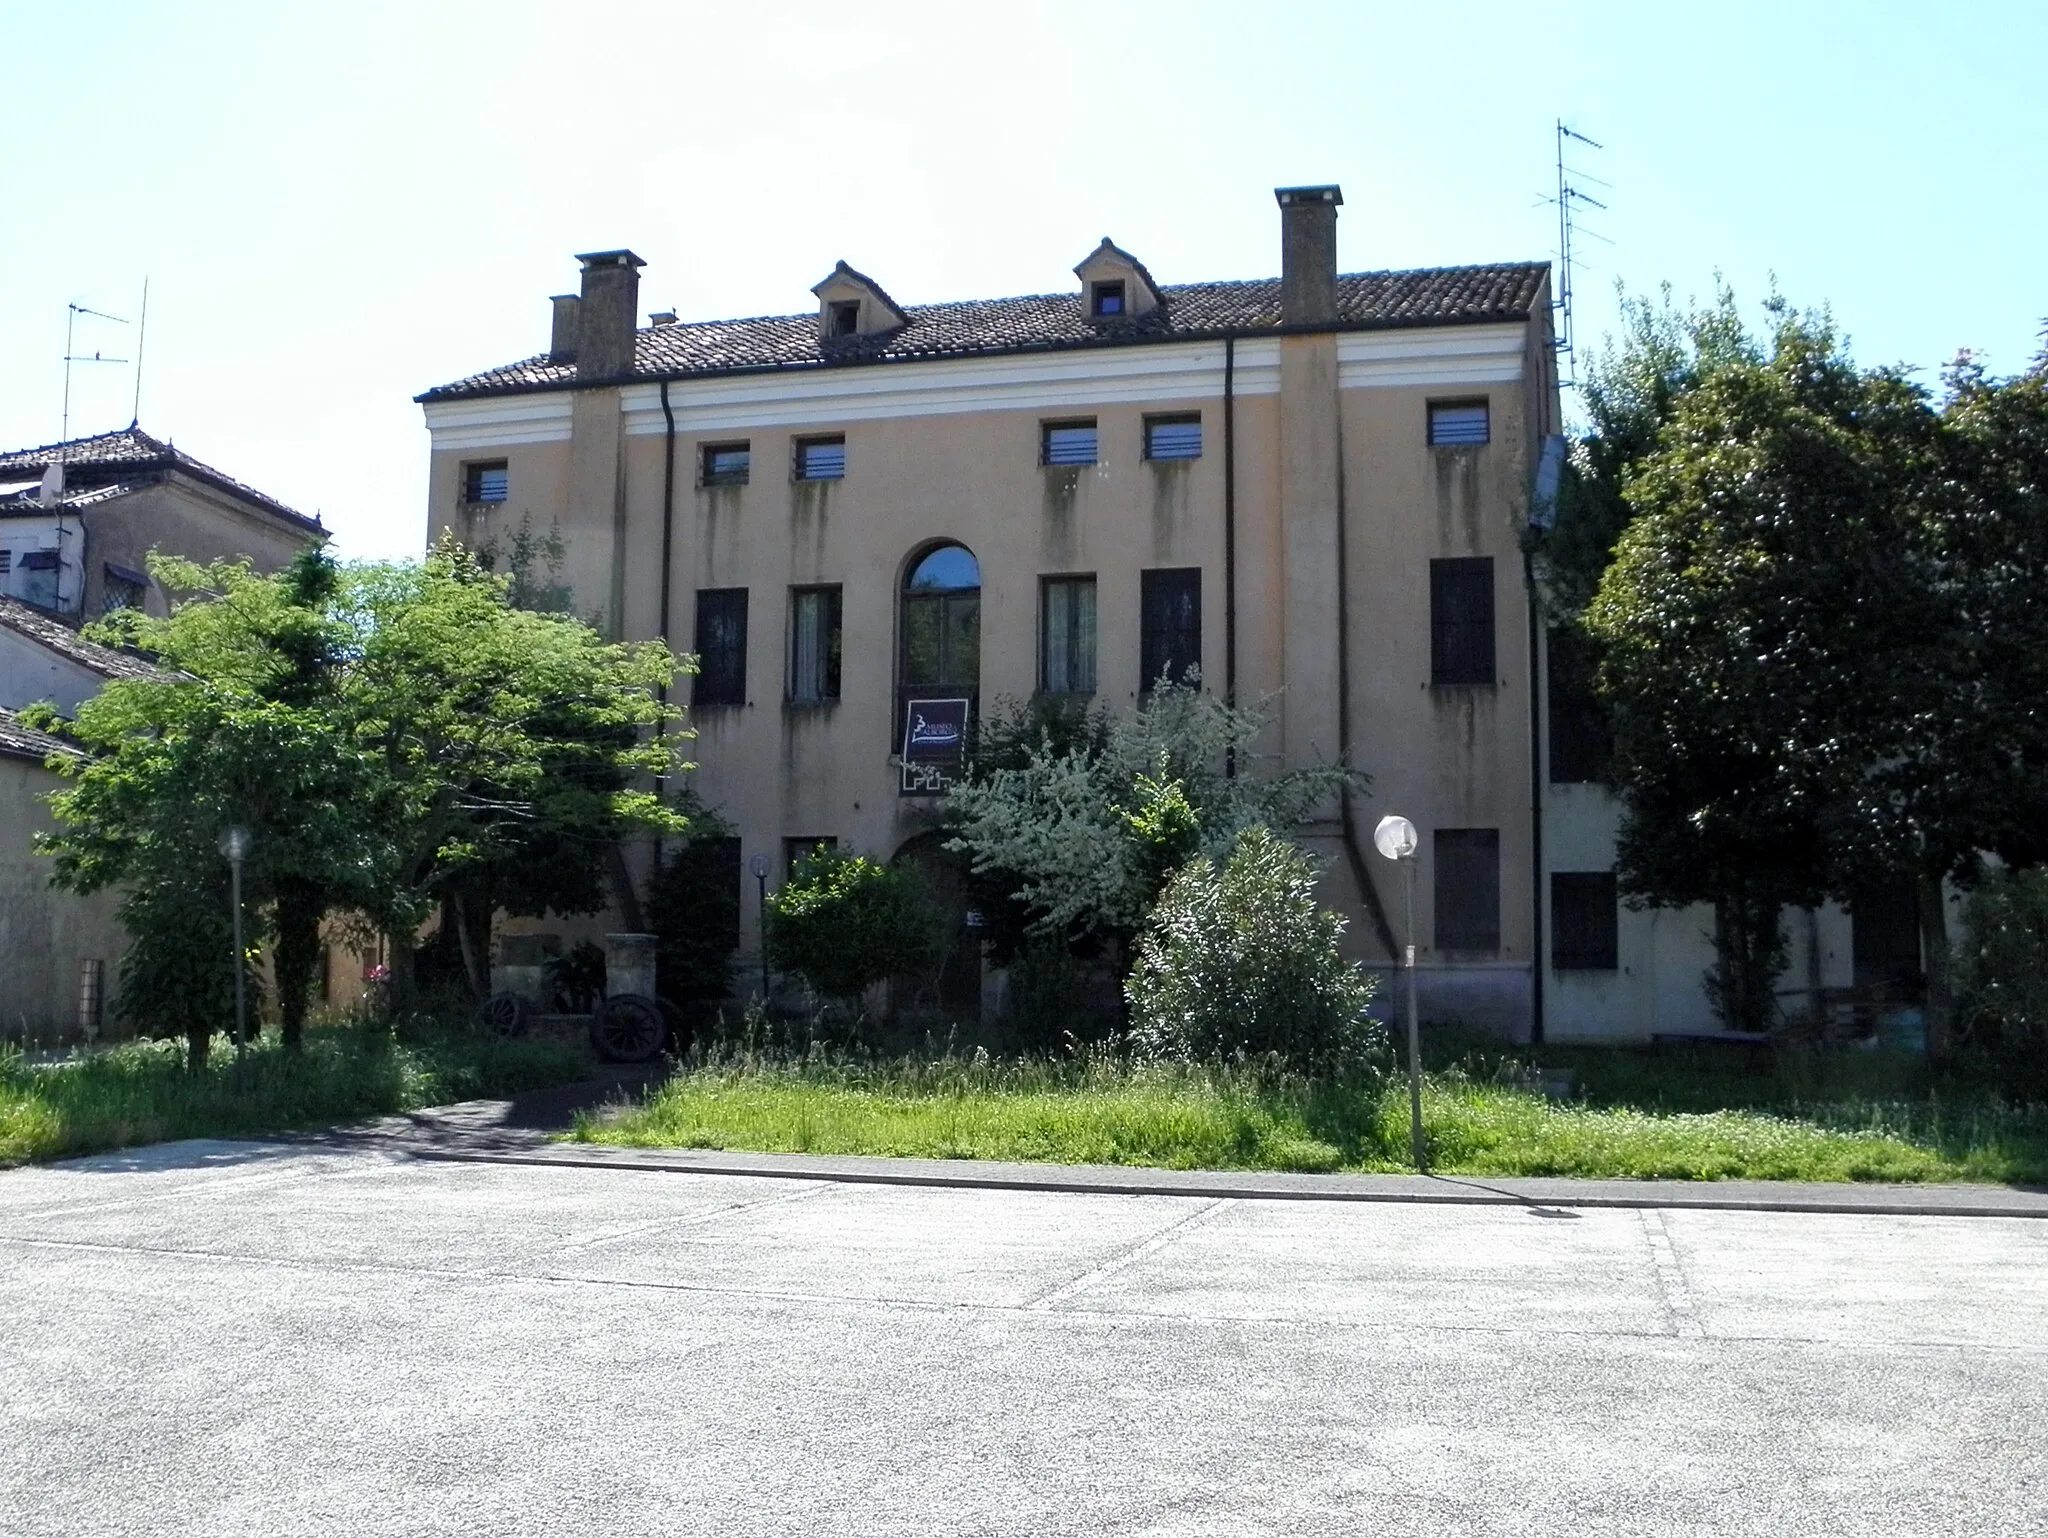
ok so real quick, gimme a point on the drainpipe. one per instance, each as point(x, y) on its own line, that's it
point(668, 537)
point(1536, 961)
point(1230, 539)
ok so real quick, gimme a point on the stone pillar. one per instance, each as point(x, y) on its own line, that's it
point(629, 965)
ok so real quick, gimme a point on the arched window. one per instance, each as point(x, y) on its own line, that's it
point(942, 621)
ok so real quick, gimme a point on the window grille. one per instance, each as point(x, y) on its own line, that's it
point(820, 459)
point(726, 464)
point(486, 482)
point(1069, 443)
point(721, 648)
point(1457, 424)
point(1175, 437)
point(1109, 298)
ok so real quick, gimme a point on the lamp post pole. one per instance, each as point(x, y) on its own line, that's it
point(759, 866)
point(1396, 838)
point(234, 843)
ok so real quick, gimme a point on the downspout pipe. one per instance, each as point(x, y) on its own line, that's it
point(1536, 957)
point(668, 540)
point(1354, 848)
point(1230, 539)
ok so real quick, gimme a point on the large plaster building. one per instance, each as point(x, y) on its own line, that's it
point(871, 520)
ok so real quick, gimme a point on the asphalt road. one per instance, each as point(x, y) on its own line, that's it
point(262, 1340)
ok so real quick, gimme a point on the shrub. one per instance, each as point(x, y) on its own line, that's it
point(2002, 983)
point(693, 907)
point(843, 922)
point(1237, 962)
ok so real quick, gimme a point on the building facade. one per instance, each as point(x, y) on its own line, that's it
point(873, 521)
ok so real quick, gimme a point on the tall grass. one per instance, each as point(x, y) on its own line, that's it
point(1100, 1110)
point(140, 1092)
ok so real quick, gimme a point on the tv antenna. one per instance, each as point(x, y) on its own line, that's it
point(141, 338)
point(1570, 198)
point(71, 356)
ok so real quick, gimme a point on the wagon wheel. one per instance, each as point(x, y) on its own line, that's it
point(628, 1028)
point(504, 1013)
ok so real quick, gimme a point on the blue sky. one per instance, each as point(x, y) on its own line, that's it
point(338, 206)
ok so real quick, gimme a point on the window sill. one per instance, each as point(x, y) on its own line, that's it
point(810, 704)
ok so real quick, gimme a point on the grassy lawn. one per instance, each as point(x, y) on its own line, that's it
point(1646, 1122)
point(140, 1093)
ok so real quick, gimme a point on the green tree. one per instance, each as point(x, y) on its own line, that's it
point(843, 923)
point(1765, 629)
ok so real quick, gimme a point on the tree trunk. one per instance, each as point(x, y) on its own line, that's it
point(479, 975)
point(1934, 957)
point(623, 889)
point(1749, 953)
point(197, 1041)
point(401, 986)
point(300, 907)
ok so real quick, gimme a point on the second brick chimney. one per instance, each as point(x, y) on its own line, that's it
point(608, 314)
point(1308, 254)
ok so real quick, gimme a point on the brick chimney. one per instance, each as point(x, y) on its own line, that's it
point(562, 339)
point(608, 314)
point(1308, 254)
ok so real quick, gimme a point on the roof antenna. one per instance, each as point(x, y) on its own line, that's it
point(1569, 199)
point(141, 337)
point(70, 357)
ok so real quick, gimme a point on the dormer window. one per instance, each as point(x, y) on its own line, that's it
point(1115, 284)
point(1108, 298)
point(845, 317)
point(852, 304)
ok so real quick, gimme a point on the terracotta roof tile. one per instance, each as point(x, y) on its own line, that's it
point(54, 635)
point(1438, 296)
point(128, 454)
point(18, 741)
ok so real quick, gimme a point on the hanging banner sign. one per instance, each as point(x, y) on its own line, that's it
point(934, 741)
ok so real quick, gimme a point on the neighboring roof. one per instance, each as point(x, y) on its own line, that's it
point(26, 504)
point(1437, 296)
point(18, 741)
point(54, 635)
point(130, 455)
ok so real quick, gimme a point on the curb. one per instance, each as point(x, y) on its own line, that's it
point(1102, 1180)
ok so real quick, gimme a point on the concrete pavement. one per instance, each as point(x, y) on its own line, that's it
point(281, 1339)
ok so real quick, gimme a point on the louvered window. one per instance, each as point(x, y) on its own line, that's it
point(1467, 889)
point(1070, 443)
point(1170, 639)
point(721, 647)
point(1457, 424)
point(821, 459)
point(1584, 921)
point(1461, 621)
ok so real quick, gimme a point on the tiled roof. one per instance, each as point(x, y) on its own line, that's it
point(18, 741)
point(128, 455)
point(54, 635)
point(22, 504)
point(1437, 296)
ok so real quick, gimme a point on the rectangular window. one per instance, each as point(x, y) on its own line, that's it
point(726, 464)
point(799, 849)
point(1174, 437)
point(1580, 743)
point(1170, 639)
point(1066, 653)
point(1461, 621)
point(1069, 443)
point(1457, 424)
point(486, 482)
point(1108, 298)
point(821, 459)
point(846, 317)
point(1584, 921)
point(1468, 889)
point(721, 647)
point(6, 562)
point(813, 645)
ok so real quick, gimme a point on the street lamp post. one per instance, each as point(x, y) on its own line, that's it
point(234, 843)
point(1395, 838)
point(759, 866)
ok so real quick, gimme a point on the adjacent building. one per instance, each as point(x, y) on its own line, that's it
point(873, 520)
